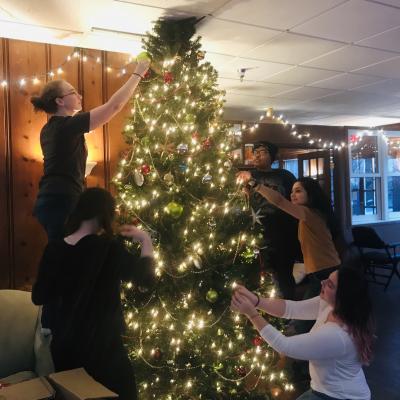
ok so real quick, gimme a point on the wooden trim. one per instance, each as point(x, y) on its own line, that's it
point(9, 170)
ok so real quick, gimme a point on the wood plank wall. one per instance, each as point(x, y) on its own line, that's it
point(21, 237)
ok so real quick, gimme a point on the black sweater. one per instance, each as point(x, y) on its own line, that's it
point(82, 285)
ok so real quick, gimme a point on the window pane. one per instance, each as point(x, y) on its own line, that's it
point(393, 157)
point(306, 171)
point(394, 193)
point(320, 166)
point(364, 155)
point(313, 166)
point(364, 196)
point(292, 166)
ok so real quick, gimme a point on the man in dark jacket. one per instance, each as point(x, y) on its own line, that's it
point(280, 229)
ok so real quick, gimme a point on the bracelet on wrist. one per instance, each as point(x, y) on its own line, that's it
point(135, 73)
point(258, 300)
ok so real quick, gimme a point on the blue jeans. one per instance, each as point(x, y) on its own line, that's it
point(52, 212)
point(313, 395)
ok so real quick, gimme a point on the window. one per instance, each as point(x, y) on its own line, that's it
point(374, 175)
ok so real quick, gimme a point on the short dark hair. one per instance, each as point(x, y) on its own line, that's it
point(46, 101)
point(93, 203)
point(270, 147)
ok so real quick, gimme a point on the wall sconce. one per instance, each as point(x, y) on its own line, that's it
point(89, 167)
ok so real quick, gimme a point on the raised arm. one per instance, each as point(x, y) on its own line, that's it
point(275, 198)
point(102, 114)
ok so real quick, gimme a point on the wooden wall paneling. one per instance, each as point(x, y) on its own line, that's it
point(92, 93)
point(5, 239)
point(26, 59)
point(57, 56)
point(115, 127)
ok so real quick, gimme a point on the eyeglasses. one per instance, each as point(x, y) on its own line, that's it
point(68, 94)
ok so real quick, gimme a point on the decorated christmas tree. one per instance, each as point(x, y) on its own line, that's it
point(178, 182)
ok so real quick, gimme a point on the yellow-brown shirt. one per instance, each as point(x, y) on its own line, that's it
point(316, 242)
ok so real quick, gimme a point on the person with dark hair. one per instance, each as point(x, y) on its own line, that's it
point(339, 343)
point(317, 230)
point(280, 229)
point(79, 277)
point(64, 149)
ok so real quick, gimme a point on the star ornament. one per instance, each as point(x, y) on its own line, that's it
point(256, 216)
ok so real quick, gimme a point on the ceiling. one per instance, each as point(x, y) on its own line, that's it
point(323, 62)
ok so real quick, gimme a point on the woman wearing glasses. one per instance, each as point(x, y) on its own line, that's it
point(64, 149)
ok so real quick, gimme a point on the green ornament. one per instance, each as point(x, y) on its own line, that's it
point(143, 56)
point(218, 366)
point(175, 210)
point(212, 296)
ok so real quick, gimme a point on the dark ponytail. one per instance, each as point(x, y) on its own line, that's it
point(93, 203)
point(46, 101)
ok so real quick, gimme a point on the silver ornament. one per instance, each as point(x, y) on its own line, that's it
point(138, 178)
point(206, 178)
point(182, 148)
point(168, 179)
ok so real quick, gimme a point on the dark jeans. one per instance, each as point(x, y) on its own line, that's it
point(313, 395)
point(313, 289)
point(52, 212)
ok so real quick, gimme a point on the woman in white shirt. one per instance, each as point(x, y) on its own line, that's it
point(340, 341)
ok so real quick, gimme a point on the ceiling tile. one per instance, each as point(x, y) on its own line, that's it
point(386, 69)
point(202, 7)
point(352, 21)
point(349, 58)
point(301, 76)
point(290, 48)
point(390, 87)
point(254, 88)
point(306, 93)
point(389, 40)
point(231, 38)
point(277, 14)
point(255, 69)
point(346, 81)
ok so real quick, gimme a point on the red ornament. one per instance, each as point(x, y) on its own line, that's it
point(207, 143)
point(157, 354)
point(168, 77)
point(257, 341)
point(145, 169)
point(147, 74)
point(241, 371)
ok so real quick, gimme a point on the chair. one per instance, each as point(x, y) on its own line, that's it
point(24, 351)
point(381, 263)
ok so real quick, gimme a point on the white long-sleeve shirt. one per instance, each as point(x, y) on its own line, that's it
point(335, 367)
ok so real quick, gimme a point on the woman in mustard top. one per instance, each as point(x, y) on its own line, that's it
point(317, 229)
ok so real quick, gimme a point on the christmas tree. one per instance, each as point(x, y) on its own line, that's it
point(178, 182)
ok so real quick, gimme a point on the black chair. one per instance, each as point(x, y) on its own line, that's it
point(378, 264)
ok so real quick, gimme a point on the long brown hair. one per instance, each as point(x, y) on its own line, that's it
point(353, 306)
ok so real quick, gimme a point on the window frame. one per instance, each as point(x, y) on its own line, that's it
point(382, 200)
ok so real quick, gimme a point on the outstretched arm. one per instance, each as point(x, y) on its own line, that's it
point(102, 114)
point(275, 198)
